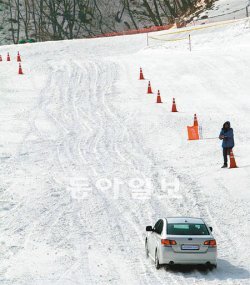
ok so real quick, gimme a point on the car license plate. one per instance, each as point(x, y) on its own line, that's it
point(190, 247)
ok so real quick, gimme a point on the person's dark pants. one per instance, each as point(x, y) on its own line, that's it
point(226, 152)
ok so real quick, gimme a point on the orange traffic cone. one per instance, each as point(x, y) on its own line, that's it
point(195, 120)
point(158, 97)
point(174, 109)
point(18, 57)
point(20, 70)
point(1, 58)
point(8, 57)
point(141, 75)
point(232, 160)
point(149, 88)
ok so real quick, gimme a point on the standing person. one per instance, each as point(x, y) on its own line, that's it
point(227, 137)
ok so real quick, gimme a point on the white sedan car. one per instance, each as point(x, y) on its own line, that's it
point(181, 241)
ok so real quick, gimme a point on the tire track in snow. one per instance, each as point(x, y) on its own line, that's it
point(136, 166)
point(103, 167)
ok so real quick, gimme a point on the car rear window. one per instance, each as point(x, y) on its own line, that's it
point(187, 229)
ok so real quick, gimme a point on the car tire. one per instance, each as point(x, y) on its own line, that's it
point(157, 264)
point(212, 266)
point(146, 249)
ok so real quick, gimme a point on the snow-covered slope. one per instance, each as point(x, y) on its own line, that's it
point(226, 9)
point(80, 119)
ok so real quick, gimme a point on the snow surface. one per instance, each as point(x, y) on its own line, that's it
point(80, 112)
point(226, 9)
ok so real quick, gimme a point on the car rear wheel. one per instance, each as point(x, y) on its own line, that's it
point(157, 264)
point(212, 266)
point(146, 248)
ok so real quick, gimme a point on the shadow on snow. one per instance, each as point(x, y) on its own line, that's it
point(224, 271)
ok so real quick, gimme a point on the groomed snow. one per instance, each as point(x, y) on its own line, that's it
point(80, 112)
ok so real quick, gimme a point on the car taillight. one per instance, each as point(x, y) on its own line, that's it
point(211, 243)
point(168, 242)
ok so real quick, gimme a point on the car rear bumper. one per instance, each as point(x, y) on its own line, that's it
point(167, 256)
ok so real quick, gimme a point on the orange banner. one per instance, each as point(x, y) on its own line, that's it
point(193, 133)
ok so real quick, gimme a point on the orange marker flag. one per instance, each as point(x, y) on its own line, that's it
point(193, 133)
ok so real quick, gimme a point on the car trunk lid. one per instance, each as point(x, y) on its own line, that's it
point(190, 244)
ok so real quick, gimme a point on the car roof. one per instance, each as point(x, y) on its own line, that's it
point(183, 220)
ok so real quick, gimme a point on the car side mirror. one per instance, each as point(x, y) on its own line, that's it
point(211, 229)
point(149, 229)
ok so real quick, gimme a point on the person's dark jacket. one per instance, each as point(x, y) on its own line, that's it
point(228, 141)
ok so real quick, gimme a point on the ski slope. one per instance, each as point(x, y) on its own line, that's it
point(226, 9)
point(80, 119)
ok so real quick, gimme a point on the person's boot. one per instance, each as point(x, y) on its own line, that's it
point(224, 165)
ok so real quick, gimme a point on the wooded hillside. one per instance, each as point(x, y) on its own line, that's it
point(43, 20)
